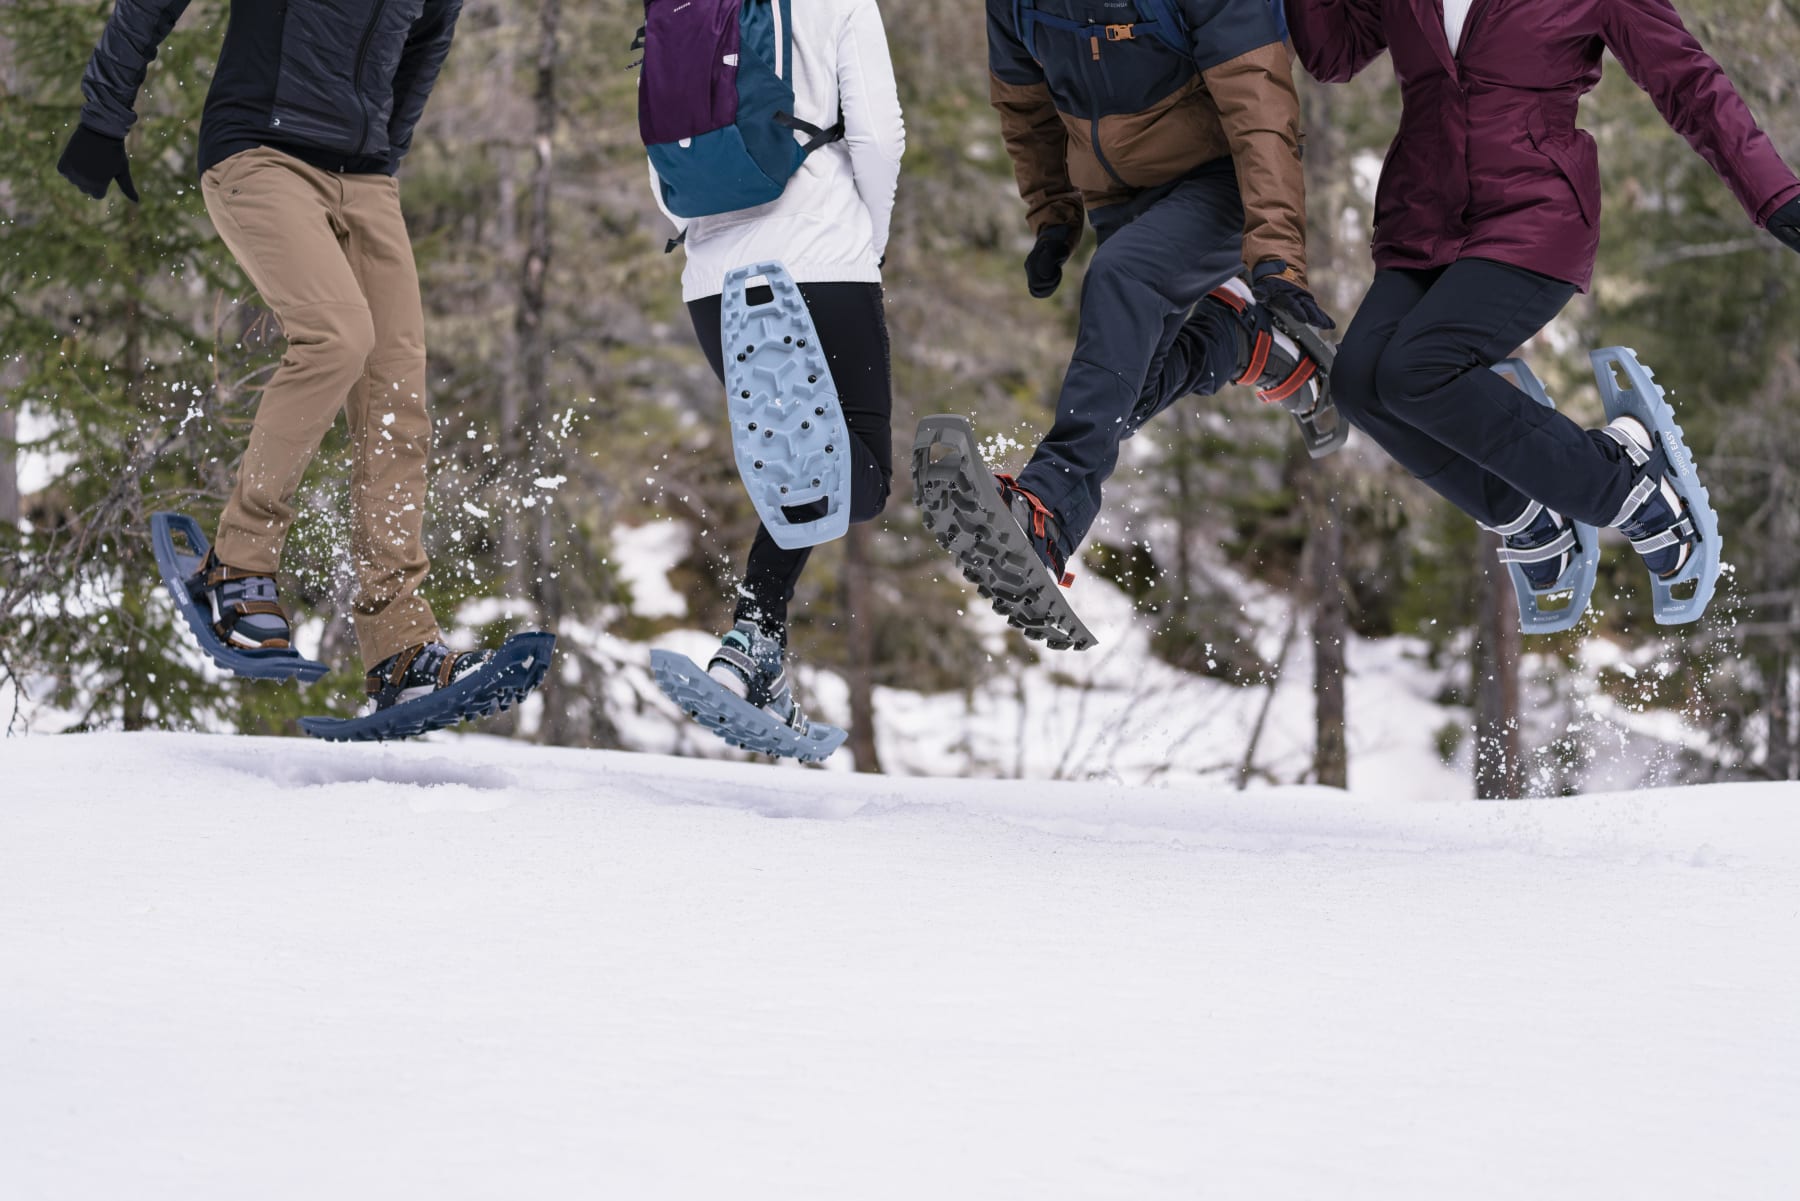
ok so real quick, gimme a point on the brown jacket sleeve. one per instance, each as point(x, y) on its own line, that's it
point(1260, 112)
point(1039, 145)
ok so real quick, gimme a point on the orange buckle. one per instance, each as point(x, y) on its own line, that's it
point(1121, 33)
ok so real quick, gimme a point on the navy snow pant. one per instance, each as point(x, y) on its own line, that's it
point(852, 322)
point(1137, 352)
point(1412, 373)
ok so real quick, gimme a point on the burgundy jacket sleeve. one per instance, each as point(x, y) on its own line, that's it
point(1697, 100)
point(1336, 38)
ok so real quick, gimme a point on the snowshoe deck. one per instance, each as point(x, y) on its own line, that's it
point(497, 685)
point(733, 718)
point(788, 432)
point(1627, 387)
point(1562, 605)
point(180, 570)
point(962, 509)
point(1322, 428)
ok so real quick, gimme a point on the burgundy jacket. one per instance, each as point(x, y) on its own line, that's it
point(1488, 162)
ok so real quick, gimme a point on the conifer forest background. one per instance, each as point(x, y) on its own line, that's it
point(573, 405)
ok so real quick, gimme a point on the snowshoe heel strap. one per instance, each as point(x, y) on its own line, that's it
point(386, 687)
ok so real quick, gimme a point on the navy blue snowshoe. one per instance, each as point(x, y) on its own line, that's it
point(430, 687)
point(1554, 562)
point(1668, 515)
point(745, 697)
point(235, 617)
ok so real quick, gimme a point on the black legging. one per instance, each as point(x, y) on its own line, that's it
point(1412, 373)
point(852, 325)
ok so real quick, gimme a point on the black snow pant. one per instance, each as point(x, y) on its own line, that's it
point(1412, 373)
point(852, 324)
point(1137, 351)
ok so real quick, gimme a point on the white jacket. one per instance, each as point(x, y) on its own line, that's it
point(831, 224)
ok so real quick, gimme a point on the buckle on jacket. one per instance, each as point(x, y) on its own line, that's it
point(1121, 33)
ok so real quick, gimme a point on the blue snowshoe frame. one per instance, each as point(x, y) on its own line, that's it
point(179, 570)
point(1562, 605)
point(734, 719)
point(1628, 388)
point(788, 432)
point(503, 681)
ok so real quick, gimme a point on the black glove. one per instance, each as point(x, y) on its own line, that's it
point(1043, 266)
point(1785, 224)
point(1274, 289)
point(92, 161)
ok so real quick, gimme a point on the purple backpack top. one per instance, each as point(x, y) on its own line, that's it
point(716, 103)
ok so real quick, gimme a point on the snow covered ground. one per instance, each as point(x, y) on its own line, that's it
point(233, 968)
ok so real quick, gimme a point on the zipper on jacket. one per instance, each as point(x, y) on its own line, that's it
point(1095, 89)
point(1475, 14)
point(362, 54)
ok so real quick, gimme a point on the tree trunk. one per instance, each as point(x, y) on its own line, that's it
point(1499, 773)
point(1331, 627)
point(538, 552)
point(859, 627)
point(10, 510)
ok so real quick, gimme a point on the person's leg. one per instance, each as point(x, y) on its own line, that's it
point(1139, 290)
point(1434, 376)
point(390, 427)
point(275, 215)
point(852, 325)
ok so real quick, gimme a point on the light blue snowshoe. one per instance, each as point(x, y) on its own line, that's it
point(1682, 528)
point(1553, 560)
point(745, 697)
point(787, 428)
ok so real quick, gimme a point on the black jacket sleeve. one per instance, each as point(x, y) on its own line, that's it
point(426, 48)
point(116, 72)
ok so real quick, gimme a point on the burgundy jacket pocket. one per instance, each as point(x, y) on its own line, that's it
point(1576, 158)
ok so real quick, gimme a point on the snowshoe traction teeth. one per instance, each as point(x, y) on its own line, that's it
point(962, 510)
point(788, 432)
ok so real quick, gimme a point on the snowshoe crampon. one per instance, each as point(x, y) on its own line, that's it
point(788, 432)
point(497, 685)
point(1322, 428)
point(734, 719)
point(1561, 605)
point(181, 548)
point(1629, 389)
point(962, 508)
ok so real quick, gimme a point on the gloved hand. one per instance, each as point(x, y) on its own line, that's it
point(1276, 287)
point(1043, 266)
point(92, 161)
point(1785, 224)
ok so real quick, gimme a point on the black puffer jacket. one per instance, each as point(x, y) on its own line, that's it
point(339, 83)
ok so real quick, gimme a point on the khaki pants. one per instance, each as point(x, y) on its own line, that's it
point(332, 259)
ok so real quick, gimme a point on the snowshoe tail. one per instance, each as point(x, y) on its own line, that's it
point(788, 432)
point(733, 718)
point(180, 548)
point(1562, 605)
point(497, 685)
point(1628, 388)
point(962, 508)
point(1322, 428)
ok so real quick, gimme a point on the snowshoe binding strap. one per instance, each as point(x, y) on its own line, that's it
point(417, 670)
point(1322, 428)
point(236, 598)
point(1553, 573)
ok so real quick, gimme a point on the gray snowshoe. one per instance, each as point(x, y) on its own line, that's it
point(746, 698)
point(964, 511)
